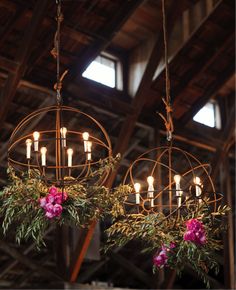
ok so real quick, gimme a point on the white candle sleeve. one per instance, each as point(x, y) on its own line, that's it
point(36, 136)
point(28, 148)
point(70, 154)
point(43, 155)
point(137, 194)
point(63, 132)
point(89, 150)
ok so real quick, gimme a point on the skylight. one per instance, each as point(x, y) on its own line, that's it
point(102, 70)
point(208, 115)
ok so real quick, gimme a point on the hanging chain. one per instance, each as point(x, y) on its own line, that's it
point(56, 53)
point(167, 101)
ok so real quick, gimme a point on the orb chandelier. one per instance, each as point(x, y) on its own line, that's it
point(175, 180)
point(63, 143)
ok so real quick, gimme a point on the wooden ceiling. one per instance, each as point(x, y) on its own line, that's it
point(201, 56)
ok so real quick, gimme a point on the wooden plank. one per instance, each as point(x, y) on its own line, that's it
point(10, 25)
point(223, 78)
point(8, 65)
point(81, 252)
point(226, 137)
point(116, 22)
point(7, 267)
point(22, 56)
point(26, 261)
point(207, 59)
point(229, 257)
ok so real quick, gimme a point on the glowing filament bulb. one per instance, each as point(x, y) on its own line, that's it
point(63, 132)
point(36, 136)
point(28, 143)
point(137, 188)
point(150, 181)
point(69, 153)
point(43, 151)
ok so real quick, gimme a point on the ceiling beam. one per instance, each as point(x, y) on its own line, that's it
point(81, 250)
point(7, 267)
point(207, 59)
point(211, 92)
point(120, 17)
point(133, 269)
point(21, 258)
point(22, 57)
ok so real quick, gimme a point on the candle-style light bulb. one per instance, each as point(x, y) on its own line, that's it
point(89, 152)
point(69, 153)
point(197, 182)
point(179, 192)
point(137, 188)
point(28, 143)
point(36, 136)
point(63, 132)
point(43, 151)
point(150, 193)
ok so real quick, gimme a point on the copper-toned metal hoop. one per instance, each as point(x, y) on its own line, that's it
point(167, 193)
point(100, 141)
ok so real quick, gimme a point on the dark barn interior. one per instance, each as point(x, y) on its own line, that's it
point(128, 36)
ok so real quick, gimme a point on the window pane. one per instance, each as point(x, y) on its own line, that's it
point(206, 115)
point(101, 70)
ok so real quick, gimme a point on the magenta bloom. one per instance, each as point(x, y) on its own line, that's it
point(42, 202)
point(53, 190)
point(50, 198)
point(60, 197)
point(52, 202)
point(161, 259)
point(195, 232)
point(57, 209)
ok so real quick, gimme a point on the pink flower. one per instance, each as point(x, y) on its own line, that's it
point(57, 209)
point(49, 207)
point(161, 258)
point(189, 236)
point(52, 202)
point(60, 197)
point(49, 215)
point(53, 190)
point(42, 202)
point(195, 232)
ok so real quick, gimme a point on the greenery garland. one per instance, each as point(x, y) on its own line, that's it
point(31, 207)
point(191, 239)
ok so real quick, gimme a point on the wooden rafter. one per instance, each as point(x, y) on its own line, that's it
point(26, 261)
point(22, 56)
point(219, 82)
point(133, 269)
point(100, 44)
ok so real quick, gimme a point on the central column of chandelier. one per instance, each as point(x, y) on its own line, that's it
point(66, 150)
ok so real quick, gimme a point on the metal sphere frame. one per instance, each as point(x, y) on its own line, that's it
point(166, 197)
point(62, 172)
